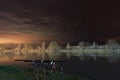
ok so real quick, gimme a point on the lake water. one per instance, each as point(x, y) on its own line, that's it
point(95, 70)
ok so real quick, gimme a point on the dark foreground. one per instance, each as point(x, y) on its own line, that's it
point(94, 70)
point(26, 73)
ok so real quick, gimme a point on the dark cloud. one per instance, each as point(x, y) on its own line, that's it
point(72, 20)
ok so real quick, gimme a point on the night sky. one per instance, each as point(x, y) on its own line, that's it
point(61, 20)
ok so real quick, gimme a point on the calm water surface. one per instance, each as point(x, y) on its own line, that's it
point(95, 70)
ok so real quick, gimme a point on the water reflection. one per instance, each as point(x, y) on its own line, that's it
point(25, 55)
point(11, 56)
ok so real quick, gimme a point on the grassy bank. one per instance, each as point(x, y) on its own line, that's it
point(14, 73)
point(21, 73)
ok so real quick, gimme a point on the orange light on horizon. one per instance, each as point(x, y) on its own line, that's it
point(17, 39)
point(7, 40)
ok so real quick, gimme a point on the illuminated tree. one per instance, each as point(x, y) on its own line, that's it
point(53, 49)
point(68, 46)
point(43, 50)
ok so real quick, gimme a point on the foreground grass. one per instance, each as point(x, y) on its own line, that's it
point(20, 73)
point(14, 73)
